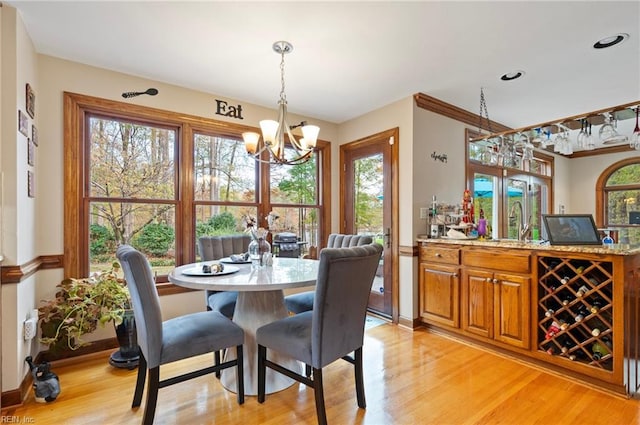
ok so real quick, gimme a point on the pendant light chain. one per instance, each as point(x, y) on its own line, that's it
point(283, 95)
point(483, 108)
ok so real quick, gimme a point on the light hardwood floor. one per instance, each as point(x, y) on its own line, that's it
point(411, 378)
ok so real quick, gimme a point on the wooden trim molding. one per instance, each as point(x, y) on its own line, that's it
point(408, 251)
point(601, 184)
point(17, 273)
point(448, 110)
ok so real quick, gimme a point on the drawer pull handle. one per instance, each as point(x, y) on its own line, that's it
point(455, 275)
point(488, 280)
point(495, 280)
point(437, 254)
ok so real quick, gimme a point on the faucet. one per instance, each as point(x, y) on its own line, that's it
point(524, 229)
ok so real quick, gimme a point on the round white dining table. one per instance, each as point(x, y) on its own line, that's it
point(260, 301)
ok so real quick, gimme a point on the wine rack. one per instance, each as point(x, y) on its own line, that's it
point(575, 310)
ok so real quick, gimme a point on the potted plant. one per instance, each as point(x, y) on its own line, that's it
point(81, 305)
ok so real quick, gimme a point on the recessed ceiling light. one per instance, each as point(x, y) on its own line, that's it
point(610, 41)
point(512, 75)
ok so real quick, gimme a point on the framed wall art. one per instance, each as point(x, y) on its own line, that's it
point(31, 152)
point(31, 184)
point(23, 123)
point(31, 101)
point(34, 135)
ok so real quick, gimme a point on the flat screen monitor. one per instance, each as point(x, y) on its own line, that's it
point(571, 229)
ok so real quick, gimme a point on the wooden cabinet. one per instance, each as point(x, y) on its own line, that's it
point(575, 310)
point(496, 293)
point(496, 306)
point(439, 282)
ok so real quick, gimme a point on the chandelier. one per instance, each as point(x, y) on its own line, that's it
point(273, 132)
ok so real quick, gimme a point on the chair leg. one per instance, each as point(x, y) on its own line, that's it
point(307, 370)
point(319, 394)
point(216, 362)
point(240, 373)
point(262, 355)
point(152, 396)
point(142, 376)
point(359, 378)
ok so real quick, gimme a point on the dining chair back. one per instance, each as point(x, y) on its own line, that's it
point(214, 248)
point(303, 301)
point(332, 330)
point(163, 342)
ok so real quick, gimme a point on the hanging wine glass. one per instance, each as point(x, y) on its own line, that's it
point(590, 141)
point(582, 136)
point(635, 137)
point(608, 132)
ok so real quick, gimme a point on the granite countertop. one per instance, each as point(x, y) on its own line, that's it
point(616, 249)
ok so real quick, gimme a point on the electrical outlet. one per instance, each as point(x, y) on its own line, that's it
point(424, 212)
point(30, 328)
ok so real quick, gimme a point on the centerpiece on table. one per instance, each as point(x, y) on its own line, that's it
point(259, 248)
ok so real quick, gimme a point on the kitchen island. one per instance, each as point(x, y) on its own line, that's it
point(570, 309)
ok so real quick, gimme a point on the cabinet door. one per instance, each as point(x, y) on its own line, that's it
point(511, 309)
point(477, 302)
point(439, 294)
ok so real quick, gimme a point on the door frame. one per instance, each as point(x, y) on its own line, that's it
point(392, 136)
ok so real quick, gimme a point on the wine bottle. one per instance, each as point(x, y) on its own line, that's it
point(567, 345)
point(597, 326)
point(552, 330)
point(581, 291)
point(599, 350)
point(551, 306)
point(565, 280)
point(581, 314)
point(596, 304)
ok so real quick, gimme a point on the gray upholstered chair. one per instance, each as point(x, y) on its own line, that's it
point(214, 248)
point(332, 330)
point(174, 339)
point(303, 301)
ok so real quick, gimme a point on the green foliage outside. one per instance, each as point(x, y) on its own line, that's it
point(100, 240)
point(155, 239)
point(225, 221)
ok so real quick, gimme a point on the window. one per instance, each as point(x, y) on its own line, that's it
point(508, 191)
point(159, 180)
point(618, 200)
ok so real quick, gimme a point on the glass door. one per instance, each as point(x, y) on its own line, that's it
point(367, 207)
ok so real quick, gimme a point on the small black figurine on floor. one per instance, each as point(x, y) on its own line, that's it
point(46, 385)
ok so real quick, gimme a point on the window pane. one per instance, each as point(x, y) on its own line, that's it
point(294, 184)
point(220, 220)
point(620, 203)
point(303, 222)
point(149, 228)
point(223, 170)
point(629, 174)
point(130, 160)
point(484, 199)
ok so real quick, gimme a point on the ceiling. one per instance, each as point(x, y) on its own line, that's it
point(350, 58)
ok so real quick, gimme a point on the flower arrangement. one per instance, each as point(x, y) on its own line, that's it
point(81, 304)
point(251, 228)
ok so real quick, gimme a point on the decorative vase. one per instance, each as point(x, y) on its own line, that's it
point(128, 356)
point(259, 251)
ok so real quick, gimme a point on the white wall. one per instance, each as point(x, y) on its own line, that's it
point(398, 114)
point(19, 67)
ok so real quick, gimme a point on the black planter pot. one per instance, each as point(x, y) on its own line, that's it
point(128, 355)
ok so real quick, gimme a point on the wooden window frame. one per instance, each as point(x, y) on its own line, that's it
point(76, 238)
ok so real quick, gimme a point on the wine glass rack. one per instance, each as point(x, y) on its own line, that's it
point(575, 310)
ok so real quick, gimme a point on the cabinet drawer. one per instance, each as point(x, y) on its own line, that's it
point(439, 254)
point(497, 259)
